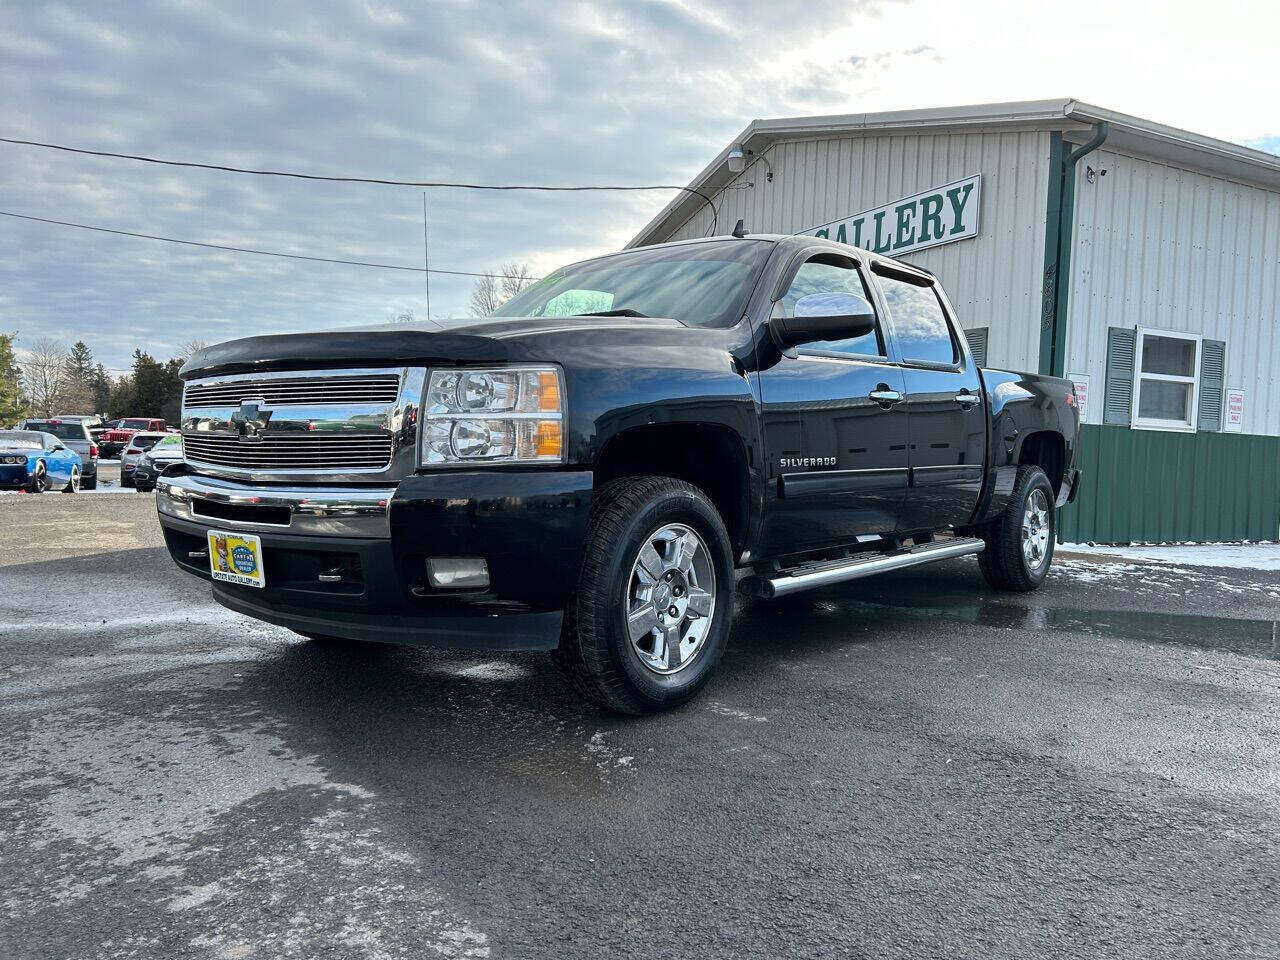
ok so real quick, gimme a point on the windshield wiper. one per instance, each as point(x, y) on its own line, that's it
point(624, 312)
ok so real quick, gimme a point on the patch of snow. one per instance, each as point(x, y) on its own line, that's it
point(715, 706)
point(1237, 556)
point(606, 757)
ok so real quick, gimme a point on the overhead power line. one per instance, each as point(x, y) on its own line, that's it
point(371, 180)
point(255, 251)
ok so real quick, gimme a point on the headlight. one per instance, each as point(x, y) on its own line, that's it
point(505, 415)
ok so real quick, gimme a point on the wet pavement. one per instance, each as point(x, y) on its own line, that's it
point(909, 766)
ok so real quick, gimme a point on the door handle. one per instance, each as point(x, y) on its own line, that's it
point(967, 400)
point(885, 397)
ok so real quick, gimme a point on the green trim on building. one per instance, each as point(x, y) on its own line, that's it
point(1049, 289)
point(1150, 485)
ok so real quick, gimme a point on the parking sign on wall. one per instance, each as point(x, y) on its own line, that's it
point(1233, 422)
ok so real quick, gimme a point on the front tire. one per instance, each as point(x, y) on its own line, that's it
point(649, 618)
point(73, 484)
point(1020, 541)
point(39, 479)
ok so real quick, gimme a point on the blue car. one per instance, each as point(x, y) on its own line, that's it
point(35, 461)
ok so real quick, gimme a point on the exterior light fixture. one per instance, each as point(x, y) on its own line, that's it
point(737, 160)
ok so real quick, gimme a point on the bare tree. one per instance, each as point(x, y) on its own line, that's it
point(191, 347)
point(44, 375)
point(484, 297)
point(492, 291)
point(515, 277)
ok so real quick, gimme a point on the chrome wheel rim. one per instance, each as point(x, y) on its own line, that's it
point(1035, 530)
point(75, 481)
point(671, 599)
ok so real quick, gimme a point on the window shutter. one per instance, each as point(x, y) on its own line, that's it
point(977, 338)
point(1117, 404)
point(1213, 361)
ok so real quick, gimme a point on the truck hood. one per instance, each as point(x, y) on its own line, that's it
point(395, 344)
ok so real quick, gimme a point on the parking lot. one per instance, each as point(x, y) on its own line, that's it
point(904, 767)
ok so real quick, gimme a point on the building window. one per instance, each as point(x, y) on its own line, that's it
point(1166, 387)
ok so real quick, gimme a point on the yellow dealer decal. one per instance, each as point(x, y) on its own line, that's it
point(236, 558)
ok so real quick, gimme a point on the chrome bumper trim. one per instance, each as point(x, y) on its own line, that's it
point(313, 511)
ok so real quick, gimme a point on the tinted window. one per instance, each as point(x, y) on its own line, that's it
point(701, 284)
point(919, 325)
point(143, 443)
point(818, 276)
point(63, 431)
point(134, 424)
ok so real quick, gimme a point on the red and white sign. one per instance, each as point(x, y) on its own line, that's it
point(1233, 422)
point(1081, 384)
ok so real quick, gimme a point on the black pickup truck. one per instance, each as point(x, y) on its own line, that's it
point(598, 468)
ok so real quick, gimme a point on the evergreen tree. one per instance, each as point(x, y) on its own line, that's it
point(100, 389)
point(12, 407)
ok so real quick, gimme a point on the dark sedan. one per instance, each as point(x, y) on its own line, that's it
point(151, 466)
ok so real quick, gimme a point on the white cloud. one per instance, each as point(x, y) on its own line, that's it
point(645, 91)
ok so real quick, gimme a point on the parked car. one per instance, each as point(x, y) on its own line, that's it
point(578, 474)
point(36, 461)
point(113, 441)
point(138, 444)
point(75, 434)
point(165, 453)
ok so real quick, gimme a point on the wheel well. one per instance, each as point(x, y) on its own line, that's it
point(710, 457)
point(1048, 451)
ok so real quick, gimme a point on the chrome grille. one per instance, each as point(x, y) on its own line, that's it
point(297, 391)
point(282, 451)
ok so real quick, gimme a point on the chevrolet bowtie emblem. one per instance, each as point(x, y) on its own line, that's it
point(250, 420)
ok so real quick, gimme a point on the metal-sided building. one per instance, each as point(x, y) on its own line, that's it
point(1139, 260)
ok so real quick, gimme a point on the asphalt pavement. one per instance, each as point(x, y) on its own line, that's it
point(904, 767)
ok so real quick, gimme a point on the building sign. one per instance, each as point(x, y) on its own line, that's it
point(1234, 420)
point(1080, 386)
point(940, 215)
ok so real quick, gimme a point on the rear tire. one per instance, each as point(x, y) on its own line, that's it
point(649, 617)
point(1020, 541)
point(89, 483)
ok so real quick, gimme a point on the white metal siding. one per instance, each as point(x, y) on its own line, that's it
point(1161, 246)
point(993, 280)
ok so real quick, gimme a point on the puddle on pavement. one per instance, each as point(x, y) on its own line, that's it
point(1250, 638)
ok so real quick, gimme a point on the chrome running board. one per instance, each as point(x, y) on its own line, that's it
point(820, 574)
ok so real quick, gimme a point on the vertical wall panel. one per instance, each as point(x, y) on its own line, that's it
point(993, 279)
point(1176, 249)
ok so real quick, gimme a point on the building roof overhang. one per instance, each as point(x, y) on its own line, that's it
point(1076, 120)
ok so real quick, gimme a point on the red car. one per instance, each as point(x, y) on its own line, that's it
point(117, 438)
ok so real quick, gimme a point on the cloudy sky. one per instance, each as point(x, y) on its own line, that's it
point(497, 92)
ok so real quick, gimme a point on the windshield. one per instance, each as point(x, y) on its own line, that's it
point(701, 284)
point(144, 442)
point(134, 424)
point(170, 443)
point(63, 431)
point(21, 438)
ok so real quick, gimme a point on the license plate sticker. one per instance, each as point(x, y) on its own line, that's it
point(236, 558)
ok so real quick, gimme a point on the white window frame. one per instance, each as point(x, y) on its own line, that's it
point(1152, 423)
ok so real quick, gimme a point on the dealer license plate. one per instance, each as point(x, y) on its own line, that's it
point(236, 558)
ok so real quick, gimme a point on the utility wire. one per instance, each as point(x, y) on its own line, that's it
point(715, 214)
point(261, 253)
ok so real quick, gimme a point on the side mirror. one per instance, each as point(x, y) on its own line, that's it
point(826, 316)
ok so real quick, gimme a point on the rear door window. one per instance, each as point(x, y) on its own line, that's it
point(920, 327)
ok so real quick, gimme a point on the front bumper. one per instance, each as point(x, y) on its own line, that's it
point(528, 525)
point(14, 476)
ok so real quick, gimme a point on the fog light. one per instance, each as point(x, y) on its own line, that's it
point(457, 572)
